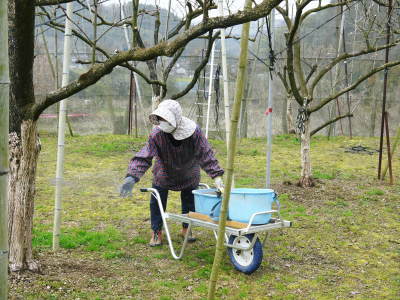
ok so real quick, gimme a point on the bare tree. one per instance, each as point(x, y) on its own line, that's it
point(25, 108)
point(302, 85)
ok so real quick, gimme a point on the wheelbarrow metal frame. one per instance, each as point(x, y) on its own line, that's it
point(275, 223)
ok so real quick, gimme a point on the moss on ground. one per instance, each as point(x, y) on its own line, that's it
point(344, 242)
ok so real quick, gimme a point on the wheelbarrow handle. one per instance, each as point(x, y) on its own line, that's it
point(164, 217)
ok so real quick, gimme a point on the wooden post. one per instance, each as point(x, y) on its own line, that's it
point(4, 167)
point(244, 43)
point(135, 105)
point(131, 83)
point(385, 77)
point(388, 147)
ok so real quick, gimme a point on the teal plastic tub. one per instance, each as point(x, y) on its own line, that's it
point(205, 200)
point(244, 202)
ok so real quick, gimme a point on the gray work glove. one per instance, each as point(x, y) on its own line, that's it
point(219, 184)
point(127, 186)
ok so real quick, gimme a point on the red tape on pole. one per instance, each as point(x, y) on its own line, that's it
point(268, 111)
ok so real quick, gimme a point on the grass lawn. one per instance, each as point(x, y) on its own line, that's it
point(344, 242)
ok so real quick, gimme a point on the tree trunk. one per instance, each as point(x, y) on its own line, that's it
point(284, 116)
point(24, 144)
point(306, 179)
point(155, 100)
point(24, 152)
point(289, 114)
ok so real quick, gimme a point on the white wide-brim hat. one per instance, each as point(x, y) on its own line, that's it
point(171, 111)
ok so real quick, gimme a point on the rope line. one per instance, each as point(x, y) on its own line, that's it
point(302, 117)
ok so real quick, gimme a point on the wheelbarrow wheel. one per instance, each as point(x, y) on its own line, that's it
point(246, 261)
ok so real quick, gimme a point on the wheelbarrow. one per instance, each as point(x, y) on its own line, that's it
point(244, 241)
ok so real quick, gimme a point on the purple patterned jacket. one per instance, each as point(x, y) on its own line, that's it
point(177, 163)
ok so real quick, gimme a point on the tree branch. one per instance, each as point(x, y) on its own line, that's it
point(312, 71)
point(151, 64)
point(345, 56)
point(329, 122)
point(141, 74)
point(282, 77)
point(284, 14)
point(198, 70)
point(190, 16)
point(177, 55)
point(290, 52)
point(60, 27)
point(51, 2)
point(354, 85)
point(164, 48)
point(322, 7)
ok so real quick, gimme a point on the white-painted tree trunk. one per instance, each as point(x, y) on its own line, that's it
point(155, 100)
point(61, 132)
point(306, 174)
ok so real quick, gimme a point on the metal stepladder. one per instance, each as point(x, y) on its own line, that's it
point(205, 88)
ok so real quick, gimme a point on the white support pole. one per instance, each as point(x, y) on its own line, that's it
point(269, 107)
point(61, 130)
point(210, 86)
point(225, 75)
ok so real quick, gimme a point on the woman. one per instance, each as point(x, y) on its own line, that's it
point(180, 149)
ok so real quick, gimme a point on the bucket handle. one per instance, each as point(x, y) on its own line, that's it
point(215, 209)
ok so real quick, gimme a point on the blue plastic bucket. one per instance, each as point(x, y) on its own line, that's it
point(245, 202)
point(205, 200)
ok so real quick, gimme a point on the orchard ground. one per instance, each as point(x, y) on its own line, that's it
point(344, 242)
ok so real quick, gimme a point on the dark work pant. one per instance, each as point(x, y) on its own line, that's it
point(187, 201)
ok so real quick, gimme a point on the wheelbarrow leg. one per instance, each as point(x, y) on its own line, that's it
point(216, 236)
point(267, 234)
